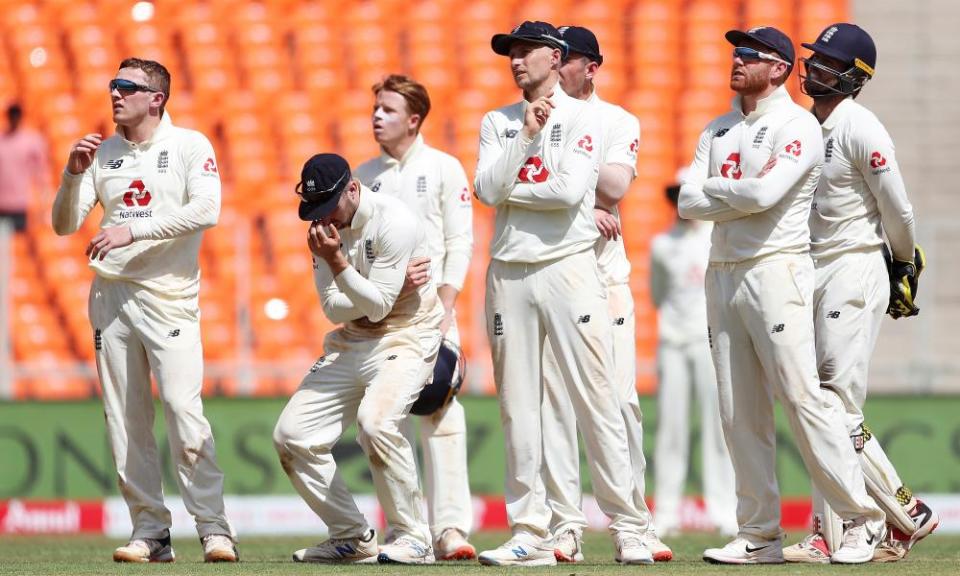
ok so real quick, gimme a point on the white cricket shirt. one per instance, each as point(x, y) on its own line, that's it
point(756, 216)
point(861, 193)
point(544, 189)
point(678, 265)
point(167, 190)
point(434, 186)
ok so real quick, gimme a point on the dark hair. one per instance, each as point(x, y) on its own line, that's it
point(673, 194)
point(418, 101)
point(14, 112)
point(158, 77)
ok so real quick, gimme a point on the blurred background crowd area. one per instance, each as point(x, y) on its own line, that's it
point(273, 82)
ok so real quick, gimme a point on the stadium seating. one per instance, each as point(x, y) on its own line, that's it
point(272, 82)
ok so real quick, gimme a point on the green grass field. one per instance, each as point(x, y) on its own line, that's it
point(938, 555)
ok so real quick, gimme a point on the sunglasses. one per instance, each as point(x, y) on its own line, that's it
point(744, 53)
point(121, 85)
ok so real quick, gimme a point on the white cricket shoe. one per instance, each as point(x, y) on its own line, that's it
point(406, 550)
point(219, 548)
point(568, 546)
point(897, 545)
point(145, 550)
point(630, 549)
point(453, 545)
point(358, 550)
point(860, 540)
point(521, 550)
point(661, 552)
point(743, 551)
point(813, 549)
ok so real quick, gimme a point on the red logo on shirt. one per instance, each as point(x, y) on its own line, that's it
point(877, 160)
point(533, 171)
point(793, 148)
point(586, 143)
point(136, 195)
point(731, 168)
point(465, 195)
point(634, 145)
point(210, 166)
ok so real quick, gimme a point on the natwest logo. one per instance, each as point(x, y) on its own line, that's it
point(533, 171)
point(136, 195)
point(586, 143)
point(793, 148)
point(731, 167)
point(210, 166)
point(877, 160)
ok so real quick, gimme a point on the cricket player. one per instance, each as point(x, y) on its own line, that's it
point(159, 188)
point(434, 186)
point(618, 158)
point(538, 166)
point(373, 368)
point(860, 199)
point(678, 264)
point(754, 174)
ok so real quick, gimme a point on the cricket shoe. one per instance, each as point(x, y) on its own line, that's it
point(521, 550)
point(813, 549)
point(406, 550)
point(568, 546)
point(897, 545)
point(630, 549)
point(219, 548)
point(452, 545)
point(357, 550)
point(661, 552)
point(743, 551)
point(145, 550)
point(860, 540)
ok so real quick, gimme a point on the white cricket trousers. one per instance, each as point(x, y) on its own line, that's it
point(684, 367)
point(760, 316)
point(372, 381)
point(138, 332)
point(564, 301)
point(561, 452)
point(443, 439)
point(850, 301)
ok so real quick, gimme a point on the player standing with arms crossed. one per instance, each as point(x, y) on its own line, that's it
point(861, 197)
point(159, 188)
point(678, 263)
point(618, 159)
point(754, 175)
point(373, 369)
point(434, 186)
point(538, 166)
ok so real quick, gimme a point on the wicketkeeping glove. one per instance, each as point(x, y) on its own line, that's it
point(904, 283)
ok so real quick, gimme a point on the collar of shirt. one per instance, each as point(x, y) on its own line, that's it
point(158, 134)
point(594, 97)
point(364, 209)
point(415, 147)
point(837, 114)
point(776, 99)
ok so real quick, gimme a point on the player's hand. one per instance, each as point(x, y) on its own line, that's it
point(108, 239)
point(324, 241)
point(82, 152)
point(904, 284)
point(767, 167)
point(607, 224)
point(537, 114)
point(418, 272)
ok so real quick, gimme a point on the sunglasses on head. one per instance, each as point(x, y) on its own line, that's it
point(122, 85)
point(744, 53)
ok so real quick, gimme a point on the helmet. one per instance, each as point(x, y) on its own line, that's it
point(849, 44)
point(448, 375)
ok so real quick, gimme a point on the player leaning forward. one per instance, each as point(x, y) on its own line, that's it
point(861, 194)
point(754, 175)
point(538, 165)
point(373, 369)
point(159, 188)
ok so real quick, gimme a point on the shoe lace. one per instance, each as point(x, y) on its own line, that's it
point(630, 540)
point(851, 536)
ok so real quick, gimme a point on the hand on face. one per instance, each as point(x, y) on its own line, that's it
point(324, 241)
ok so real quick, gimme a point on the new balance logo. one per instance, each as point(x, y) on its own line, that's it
point(392, 357)
point(173, 333)
point(519, 552)
point(113, 164)
point(618, 321)
point(376, 186)
point(833, 314)
point(583, 319)
point(721, 133)
point(497, 325)
point(510, 133)
point(777, 328)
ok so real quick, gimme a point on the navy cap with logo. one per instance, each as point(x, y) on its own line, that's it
point(769, 37)
point(530, 31)
point(847, 43)
point(582, 41)
point(323, 178)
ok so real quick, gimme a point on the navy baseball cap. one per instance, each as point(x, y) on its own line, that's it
point(847, 43)
point(322, 180)
point(530, 31)
point(769, 37)
point(582, 41)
